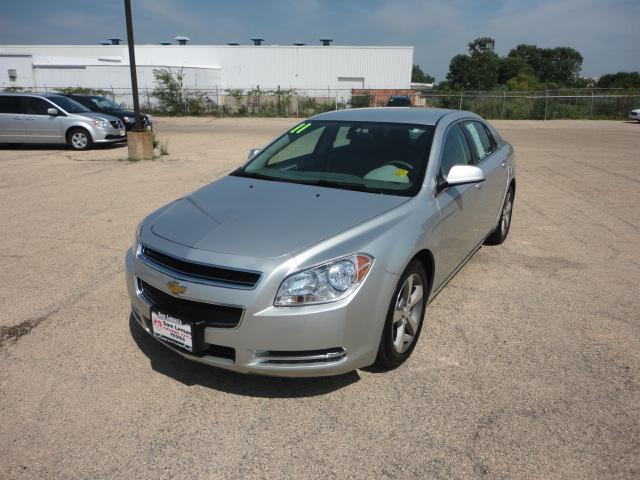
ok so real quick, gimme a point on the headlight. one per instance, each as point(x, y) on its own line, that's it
point(100, 123)
point(127, 119)
point(329, 282)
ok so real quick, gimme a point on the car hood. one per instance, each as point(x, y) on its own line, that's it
point(243, 216)
point(96, 115)
point(125, 113)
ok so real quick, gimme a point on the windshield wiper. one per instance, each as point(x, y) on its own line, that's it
point(243, 173)
point(316, 183)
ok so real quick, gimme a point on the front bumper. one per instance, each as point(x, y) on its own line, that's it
point(309, 341)
point(109, 135)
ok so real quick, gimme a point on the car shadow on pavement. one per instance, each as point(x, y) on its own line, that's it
point(169, 363)
point(40, 147)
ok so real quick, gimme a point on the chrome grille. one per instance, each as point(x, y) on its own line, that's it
point(222, 276)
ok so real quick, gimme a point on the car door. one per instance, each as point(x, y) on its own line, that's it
point(12, 121)
point(42, 127)
point(458, 207)
point(493, 163)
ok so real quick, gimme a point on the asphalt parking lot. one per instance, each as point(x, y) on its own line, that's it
point(528, 365)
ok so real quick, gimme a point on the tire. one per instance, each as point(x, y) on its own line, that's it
point(501, 231)
point(79, 139)
point(401, 322)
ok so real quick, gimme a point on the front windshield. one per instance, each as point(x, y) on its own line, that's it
point(377, 157)
point(68, 105)
point(103, 103)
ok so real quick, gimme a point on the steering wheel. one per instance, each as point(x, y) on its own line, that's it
point(400, 163)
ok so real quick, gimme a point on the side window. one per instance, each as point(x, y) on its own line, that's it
point(299, 146)
point(10, 104)
point(37, 106)
point(478, 138)
point(455, 151)
point(494, 144)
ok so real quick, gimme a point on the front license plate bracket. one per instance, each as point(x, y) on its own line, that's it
point(178, 338)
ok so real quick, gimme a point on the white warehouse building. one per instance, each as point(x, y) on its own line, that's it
point(208, 67)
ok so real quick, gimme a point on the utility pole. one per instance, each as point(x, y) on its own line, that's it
point(139, 141)
point(132, 65)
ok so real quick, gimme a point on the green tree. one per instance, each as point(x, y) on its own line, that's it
point(169, 90)
point(418, 76)
point(481, 46)
point(560, 65)
point(479, 70)
point(620, 80)
point(523, 82)
point(511, 67)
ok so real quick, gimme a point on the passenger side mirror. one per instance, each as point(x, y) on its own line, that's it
point(462, 175)
point(52, 111)
point(253, 152)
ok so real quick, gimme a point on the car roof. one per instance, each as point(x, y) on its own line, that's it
point(419, 116)
point(32, 94)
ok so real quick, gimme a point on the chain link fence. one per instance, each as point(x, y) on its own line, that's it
point(614, 104)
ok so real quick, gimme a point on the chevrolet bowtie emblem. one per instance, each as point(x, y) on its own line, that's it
point(176, 287)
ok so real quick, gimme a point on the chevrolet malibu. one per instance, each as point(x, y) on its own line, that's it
point(320, 254)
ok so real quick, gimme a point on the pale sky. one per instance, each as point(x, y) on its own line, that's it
point(605, 32)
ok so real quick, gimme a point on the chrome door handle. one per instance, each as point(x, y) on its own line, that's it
point(504, 163)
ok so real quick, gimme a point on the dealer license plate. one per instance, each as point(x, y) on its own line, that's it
point(172, 330)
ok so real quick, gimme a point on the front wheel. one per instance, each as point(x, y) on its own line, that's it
point(404, 319)
point(79, 139)
point(499, 235)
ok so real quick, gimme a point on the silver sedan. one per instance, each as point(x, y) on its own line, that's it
point(320, 254)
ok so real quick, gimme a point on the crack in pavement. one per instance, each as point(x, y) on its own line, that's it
point(13, 333)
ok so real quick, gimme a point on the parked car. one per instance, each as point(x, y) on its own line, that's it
point(50, 118)
point(635, 115)
point(399, 101)
point(320, 254)
point(97, 103)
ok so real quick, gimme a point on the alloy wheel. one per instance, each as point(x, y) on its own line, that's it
point(505, 222)
point(407, 313)
point(79, 140)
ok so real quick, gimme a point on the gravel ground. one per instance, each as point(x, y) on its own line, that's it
point(527, 366)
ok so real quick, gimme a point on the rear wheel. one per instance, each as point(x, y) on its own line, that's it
point(79, 139)
point(404, 318)
point(499, 235)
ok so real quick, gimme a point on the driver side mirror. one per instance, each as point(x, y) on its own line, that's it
point(52, 111)
point(253, 152)
point(462, 175)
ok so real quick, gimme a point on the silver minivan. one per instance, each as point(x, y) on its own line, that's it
point(52, 118)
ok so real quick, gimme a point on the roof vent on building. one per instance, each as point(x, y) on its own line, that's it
point(182, 40)
point(326, 41)
point(257, 41)
point(233, 44)
point(299, 44)
point(164, 43)
point(115, 41)
point(104, 43)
